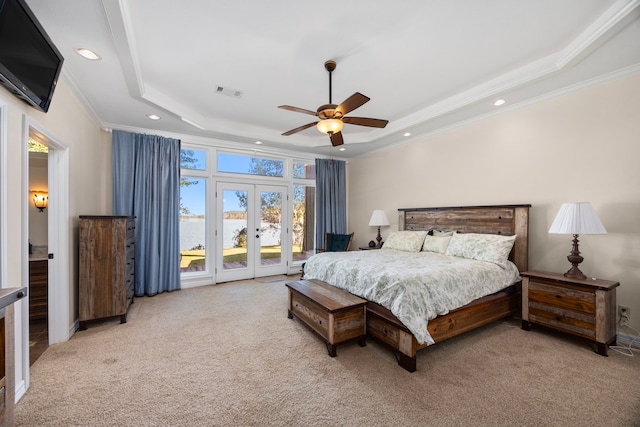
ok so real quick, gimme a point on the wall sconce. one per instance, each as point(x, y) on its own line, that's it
point(40, 200)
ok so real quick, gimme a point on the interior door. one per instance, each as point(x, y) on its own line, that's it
point(251, 236)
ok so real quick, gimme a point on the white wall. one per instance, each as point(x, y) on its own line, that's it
point(583, 146)
point(89, 186)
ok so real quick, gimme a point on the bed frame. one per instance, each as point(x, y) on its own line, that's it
point(501, 219)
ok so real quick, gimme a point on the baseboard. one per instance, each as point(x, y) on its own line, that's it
point(626, 339)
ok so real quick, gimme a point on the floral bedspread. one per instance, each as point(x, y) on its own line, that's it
point(414, 286)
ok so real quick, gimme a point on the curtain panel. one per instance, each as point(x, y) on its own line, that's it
point(331, 198)
point(146, 184)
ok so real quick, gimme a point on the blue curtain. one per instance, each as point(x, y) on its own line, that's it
point(146, 184)
point(331, 198)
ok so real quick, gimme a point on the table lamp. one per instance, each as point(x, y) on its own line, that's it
point(378, 219)
point(576, 218)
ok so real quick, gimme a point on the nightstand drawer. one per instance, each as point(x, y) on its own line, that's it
point(564, 298)
point(568, 321)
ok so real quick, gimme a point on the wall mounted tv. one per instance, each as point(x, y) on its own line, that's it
point(29, 61)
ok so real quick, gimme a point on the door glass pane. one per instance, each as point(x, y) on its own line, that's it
point(270, 227)
point(304, 198)
point(192, 224)
point(234, 229)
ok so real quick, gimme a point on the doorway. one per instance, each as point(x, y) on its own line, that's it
point(38, 152)
point(59, 327)
point(251, 233)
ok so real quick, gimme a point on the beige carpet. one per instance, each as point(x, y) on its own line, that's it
point(227, 355)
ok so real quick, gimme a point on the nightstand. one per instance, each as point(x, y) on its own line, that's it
point(585, 308)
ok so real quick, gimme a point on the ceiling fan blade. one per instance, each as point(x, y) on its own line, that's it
point(336, 139)
point(297, 110)
point(365, 121)
point(299, 128)
point(351, 103)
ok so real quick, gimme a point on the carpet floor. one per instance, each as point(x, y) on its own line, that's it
point(227, 355)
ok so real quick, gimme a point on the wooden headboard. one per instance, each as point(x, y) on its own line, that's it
point(500, 219)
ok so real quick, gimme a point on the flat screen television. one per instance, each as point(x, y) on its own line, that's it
point(29, 61)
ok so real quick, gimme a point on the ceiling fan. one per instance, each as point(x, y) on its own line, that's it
point(332, 116)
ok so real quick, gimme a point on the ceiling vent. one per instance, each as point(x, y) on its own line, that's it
point(229, 91)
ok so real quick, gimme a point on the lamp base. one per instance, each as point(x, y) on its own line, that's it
point(379, 239)
point(575, 259)
point(575, 273)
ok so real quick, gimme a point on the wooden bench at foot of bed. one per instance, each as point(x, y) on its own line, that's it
point(337, 316)
point(384, 326)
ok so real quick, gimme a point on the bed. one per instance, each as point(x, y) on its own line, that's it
point(394, 315)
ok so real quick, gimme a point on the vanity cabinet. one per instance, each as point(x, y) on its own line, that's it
point(38, 289)
point(106, 267)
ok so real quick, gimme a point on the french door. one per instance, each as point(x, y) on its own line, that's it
point(251, 234)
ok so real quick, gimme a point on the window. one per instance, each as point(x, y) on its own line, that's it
point(303, 210)
point(193, 159)
point(236, 163)
point(303, 222)
point(304, 170)
point(193, 212)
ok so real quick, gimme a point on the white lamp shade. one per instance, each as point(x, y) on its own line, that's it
point(378, 219)
point(577, 218)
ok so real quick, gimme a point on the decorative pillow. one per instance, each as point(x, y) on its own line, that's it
point(439, 233)
point(436, 244)
point(409, 241)
point(493, 248)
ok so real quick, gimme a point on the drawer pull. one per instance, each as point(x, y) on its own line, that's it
point(558, 296)
point(558, 318)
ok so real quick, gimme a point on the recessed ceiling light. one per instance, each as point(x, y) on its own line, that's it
point(87, 54)
point(406, 134)
point(342, 149)
point(153, 117)
point(499, 102)
point(259, 142)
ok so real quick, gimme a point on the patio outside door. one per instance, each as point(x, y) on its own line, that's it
point(251, 237)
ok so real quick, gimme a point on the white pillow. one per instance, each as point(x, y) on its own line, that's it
point(409, 241)
point(436, 244)
point(439, 233)
point(493, 248)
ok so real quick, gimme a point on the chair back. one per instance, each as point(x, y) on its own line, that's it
point(337, 242)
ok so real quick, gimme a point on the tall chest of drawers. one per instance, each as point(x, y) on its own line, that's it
point(585, 308)
point(106, 263)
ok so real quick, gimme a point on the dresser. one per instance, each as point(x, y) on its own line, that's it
point(585, 308)
point(106, 267)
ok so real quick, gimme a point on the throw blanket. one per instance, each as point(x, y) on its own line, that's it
point(414, 286)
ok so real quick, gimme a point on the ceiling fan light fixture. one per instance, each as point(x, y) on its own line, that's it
point(330, 126)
